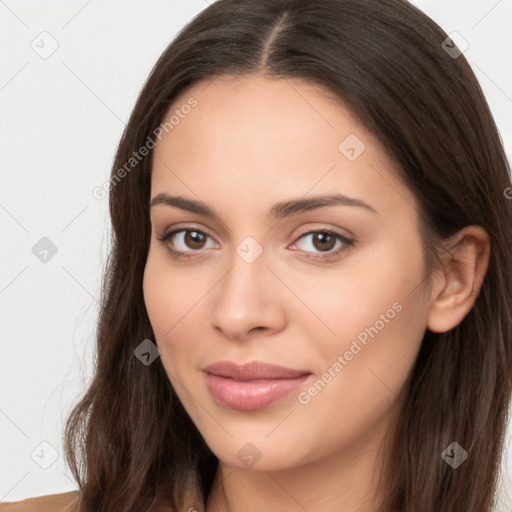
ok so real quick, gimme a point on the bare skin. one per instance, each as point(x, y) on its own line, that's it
point(251, 143)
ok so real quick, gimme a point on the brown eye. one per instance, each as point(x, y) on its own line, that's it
point(186, 242)
point(194, 239)
point(323, 245)
point(323, 241)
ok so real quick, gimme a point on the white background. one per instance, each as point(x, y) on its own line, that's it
point(60, 123)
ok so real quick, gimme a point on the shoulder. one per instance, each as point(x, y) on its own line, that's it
point(64, 502)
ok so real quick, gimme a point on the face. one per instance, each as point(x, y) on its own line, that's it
point(330, 288)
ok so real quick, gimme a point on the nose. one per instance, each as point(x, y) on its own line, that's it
point(248, 299)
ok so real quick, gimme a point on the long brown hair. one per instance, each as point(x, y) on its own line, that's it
point(129, 441)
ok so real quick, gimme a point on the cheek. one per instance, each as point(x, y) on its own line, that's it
point(173, 303)
point(168, 294)
point(365, 372)
point(157, 294)
point(374, 320)
point(366, 289)
point(361, 369)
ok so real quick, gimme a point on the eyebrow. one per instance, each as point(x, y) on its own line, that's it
point(278, 210)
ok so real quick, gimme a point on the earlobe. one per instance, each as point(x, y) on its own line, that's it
point(458, 282)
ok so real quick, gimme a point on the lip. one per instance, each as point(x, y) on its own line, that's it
point(253, 385)
point(253, 370)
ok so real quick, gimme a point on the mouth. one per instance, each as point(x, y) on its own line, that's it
point(252, 386)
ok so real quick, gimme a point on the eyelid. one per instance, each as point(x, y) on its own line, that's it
point(170, 233)
point(186, 227)
point(325, 229)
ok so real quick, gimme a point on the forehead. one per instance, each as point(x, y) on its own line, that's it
point(254, 110)
point(267, 138)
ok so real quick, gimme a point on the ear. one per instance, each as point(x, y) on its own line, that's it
point(457, 284)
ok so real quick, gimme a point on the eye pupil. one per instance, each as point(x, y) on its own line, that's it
point(192, 238)
point(323, 237)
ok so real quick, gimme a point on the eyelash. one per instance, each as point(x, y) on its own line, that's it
point(185, 255)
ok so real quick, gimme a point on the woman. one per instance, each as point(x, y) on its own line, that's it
point(307, 305)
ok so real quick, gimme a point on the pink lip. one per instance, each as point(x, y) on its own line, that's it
point(253, 385)
point(253, 370)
